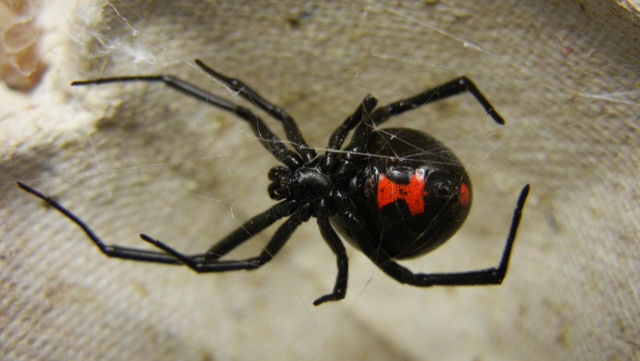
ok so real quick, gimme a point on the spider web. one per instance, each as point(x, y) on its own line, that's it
point(131, 158)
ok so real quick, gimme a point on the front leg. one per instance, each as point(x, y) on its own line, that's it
point(109, 250)
point(292, 132)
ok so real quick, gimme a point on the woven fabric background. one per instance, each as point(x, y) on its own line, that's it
point(132, 158)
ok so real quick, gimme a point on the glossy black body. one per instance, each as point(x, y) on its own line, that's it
point(425, 190)
point(399, 153)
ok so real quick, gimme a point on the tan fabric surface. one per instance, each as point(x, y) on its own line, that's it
point(140, 158)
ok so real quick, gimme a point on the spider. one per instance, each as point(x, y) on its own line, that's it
point(392, 193)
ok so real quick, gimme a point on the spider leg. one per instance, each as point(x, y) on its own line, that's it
point(382, 114)
point(201, 263)
point(448, 89)
point(109, 250)
point(243, 233)
point(340, 133)
point(290, 127)
point(249, 229)
point(332, 239)
point(493, 275)
point(268, 139)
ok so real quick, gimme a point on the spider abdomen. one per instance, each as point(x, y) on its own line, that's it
point(413, 193)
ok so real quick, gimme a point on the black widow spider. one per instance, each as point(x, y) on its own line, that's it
point(393, 193)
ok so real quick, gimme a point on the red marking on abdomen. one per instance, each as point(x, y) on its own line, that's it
point(412, 193)
point(464, 194)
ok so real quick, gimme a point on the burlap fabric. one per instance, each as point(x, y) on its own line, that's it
point(140, 158)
